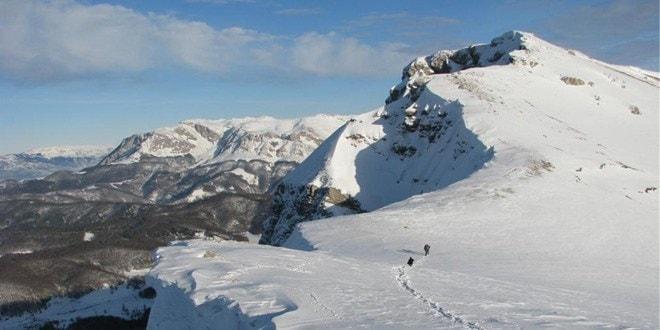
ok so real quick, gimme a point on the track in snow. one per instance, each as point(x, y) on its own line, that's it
point(404, 282)
point(325, 307)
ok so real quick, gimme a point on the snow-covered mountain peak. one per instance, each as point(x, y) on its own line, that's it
point(497, 52)
point(210, 141)
point(70, 151)
point(455, 112)
point(500, 51)
point(271, 139)
point(522, 50)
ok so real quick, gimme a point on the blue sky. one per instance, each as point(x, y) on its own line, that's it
point(93, 72)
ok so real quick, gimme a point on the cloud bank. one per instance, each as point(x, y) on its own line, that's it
point(63, 40)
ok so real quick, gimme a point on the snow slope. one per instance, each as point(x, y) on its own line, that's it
point(547, 218)
point(435, 127)
point(41, 162)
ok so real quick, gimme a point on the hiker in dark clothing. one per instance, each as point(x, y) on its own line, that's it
point(410, 261)
point(426, 249)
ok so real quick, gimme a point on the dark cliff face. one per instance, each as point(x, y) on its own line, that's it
point(497, 52)
point(294, 204)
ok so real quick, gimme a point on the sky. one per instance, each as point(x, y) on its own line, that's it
point(93, 72)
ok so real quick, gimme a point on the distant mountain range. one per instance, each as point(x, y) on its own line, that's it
point(38, 163)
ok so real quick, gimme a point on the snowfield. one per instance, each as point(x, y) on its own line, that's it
point(556, 227)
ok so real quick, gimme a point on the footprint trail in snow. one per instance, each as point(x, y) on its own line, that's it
point(404, 281)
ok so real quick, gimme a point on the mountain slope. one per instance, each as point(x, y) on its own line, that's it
point(42, 162)
point(551, 220)
point(419, 141)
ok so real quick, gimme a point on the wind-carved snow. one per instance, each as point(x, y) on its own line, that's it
point(557, 229)
point(240, 287)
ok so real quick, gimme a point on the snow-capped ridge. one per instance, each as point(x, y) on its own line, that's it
point(211, 141)
point(421, 141)
point(377, 159)
point(512, 47)
point(70, 151)
point(498, 52)
point(201, 158)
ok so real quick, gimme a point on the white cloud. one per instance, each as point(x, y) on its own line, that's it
point(63, 40)
point(203, 48)
point(330, 54)
point(43, 41)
